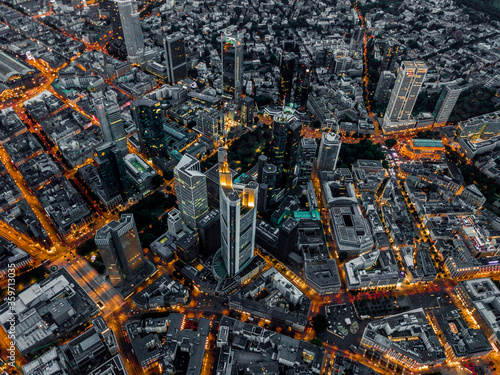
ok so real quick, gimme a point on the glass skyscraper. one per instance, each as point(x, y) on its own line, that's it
point(120, 248)
point(232, 66)
point(191, 190)
point(149, 121)
point(238, 215)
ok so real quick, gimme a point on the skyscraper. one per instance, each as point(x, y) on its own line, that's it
point(287, 70)
point(149, 121)
point(120, 248)
point(232, 66)
point(307, 156)
point(191, 189)
point(110, 119)
point(391, 53)
point(111, 168)
point(246, 113)
point(285, 145)
point(209, 232)
point(110, 7)
point(174, 223)
point(446, 103)
point(384, 85)
point(287, 238)
point(175, 56)
point(329, 150)
point(132, 31)
point(410, 78)
point(301, 87)
point(238, 215)
point(266, 177)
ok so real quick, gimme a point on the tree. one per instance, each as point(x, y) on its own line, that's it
point(316, 341)
point(319, 323)
point(168, 175)
point(156, 181)
point(391, 142)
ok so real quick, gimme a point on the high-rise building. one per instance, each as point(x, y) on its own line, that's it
point(302, 82)
point(307, 155)
point(232, 66)
point(211, 123)
point(191, 189)
point(120, 248)
point(111, 168)
point(238, 215)
point(132, 31)
point(287, 71)
point(174, 223)
point(285, 146)
point(287, 238)
point(110, 9)
point(209, 233)
point(384, 85)
point(446, 103)
point(175, 56)
point(266, 178)
point(246, 113)
point(409, 81)
point(329, 150)
point(149, 121)
point(110, 120)
point(391, 54)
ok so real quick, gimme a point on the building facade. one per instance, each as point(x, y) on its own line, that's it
point(149, 121)
point(120, 248)
point(175, 56)
point(232, 66)
point(238, 215)
point(329, 150)
point(191, 190)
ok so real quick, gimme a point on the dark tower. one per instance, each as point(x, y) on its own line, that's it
point(148, 119)
point(286, 78)
point(111, 168)
point(302, 87)
point(287, 238)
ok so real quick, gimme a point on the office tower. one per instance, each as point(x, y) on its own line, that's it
point(392, 51)
point(287, 70)
point(357, 38)
point(285, 145)
point(384, 85)
point(261, 164)
point(307, 155)
point(246, 113)
point(238, 212)
point(111, 8)
point(410, 78)
point(132, 31)
point(446, 103)
point(110, 120)
point(287, 238)
point(149, 121)
point(111, 168)
point(209, 233)
point(232, 66)
point(211, 123)
point(301, 87)
point(175, 56)
point(121, 251)
point(329, 150)
point(191, 190)
point(266, 178)
point(174, 222)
